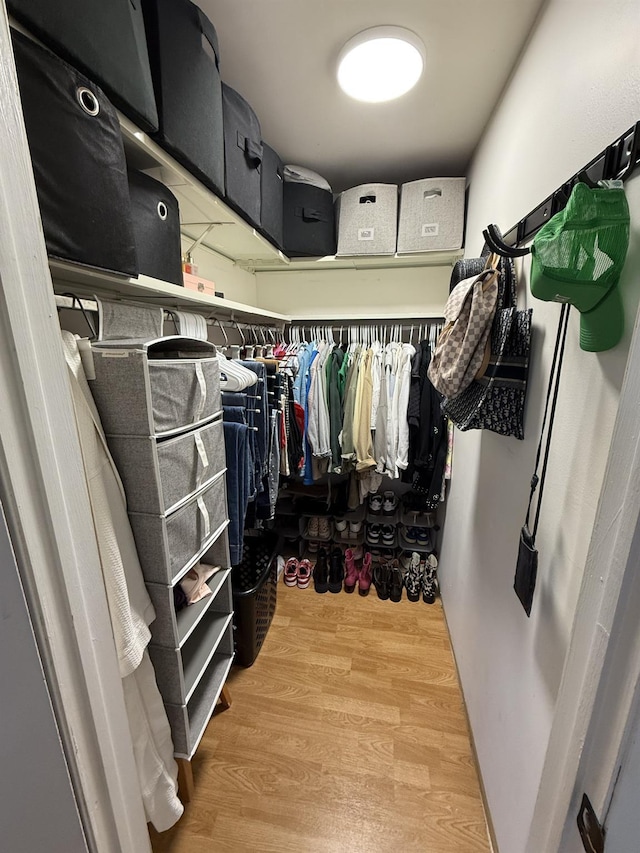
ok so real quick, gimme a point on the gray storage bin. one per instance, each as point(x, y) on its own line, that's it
point(157, 387)
point(431, 215)
point(169, 546)
point(158, 476)
point(367, 220)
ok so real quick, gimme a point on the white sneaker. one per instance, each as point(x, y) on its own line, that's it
point(389, 503)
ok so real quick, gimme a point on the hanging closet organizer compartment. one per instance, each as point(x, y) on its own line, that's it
point(243, 155)
point(78, 162)
point(189, 720)
point(158, 387)
point(169, 546)
point(171, 629)
point(158, 476)
point(106, 41)
point(271, 188)
point(179, 671)
point(185, 64)
point(309, 221)
point(367, 220)
point(156, 224)
point(431, 215)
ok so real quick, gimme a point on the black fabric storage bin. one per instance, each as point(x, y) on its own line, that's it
point(105, 39)
point(78, 162)
point(242, 155)
point(309, 221)
point(271, 189)
point(185, 65)
point(156, 223)
point(255, 589)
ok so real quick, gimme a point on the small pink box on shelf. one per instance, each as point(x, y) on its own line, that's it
point(202, 285)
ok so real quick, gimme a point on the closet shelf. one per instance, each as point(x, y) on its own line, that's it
point(87, 281)
point(331, 263)
point(230, 235)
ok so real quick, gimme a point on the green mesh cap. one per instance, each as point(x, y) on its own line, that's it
point(578, 256)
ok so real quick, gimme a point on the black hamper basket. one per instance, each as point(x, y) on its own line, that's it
point(255, 589)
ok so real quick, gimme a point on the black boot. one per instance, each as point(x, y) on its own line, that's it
point(321, 572)
point(336, 570)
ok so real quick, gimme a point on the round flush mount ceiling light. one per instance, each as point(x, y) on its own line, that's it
point(380, 64)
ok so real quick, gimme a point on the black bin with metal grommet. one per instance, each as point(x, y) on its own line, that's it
point(104, 40)
point(156, 223)
point(78, 162)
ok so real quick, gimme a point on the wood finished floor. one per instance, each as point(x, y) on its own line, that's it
point(348, 735)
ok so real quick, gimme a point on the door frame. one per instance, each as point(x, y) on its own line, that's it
point(46, 503)
point(48, 513)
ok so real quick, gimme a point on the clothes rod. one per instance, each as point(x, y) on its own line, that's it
point(618, 161)
point(336, 327)
point(77, 303)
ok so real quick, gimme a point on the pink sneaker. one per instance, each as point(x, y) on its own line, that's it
point(351, 575)
point(364, 577)
point(291, 572)
point(305, 570)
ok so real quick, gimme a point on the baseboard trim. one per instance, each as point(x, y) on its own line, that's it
point(483, 793)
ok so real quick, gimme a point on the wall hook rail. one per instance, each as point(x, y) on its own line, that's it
point(618, 161)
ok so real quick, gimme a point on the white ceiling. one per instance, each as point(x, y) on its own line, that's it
point(281, 55)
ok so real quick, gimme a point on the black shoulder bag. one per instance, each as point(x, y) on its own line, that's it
point(527, 565)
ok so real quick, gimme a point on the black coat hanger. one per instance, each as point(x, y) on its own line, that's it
point(75, 300)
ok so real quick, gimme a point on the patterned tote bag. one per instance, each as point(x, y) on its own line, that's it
point(496, 400)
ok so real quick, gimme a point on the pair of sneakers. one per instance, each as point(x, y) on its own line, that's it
point(319, 527)
point(418, 536)
point(421, 578)
point(347, 529)
point(385, 504)
point(362, 576)
point(297, 573)
point(383, 534)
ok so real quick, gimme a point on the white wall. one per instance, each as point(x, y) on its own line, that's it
point(576, 88)
point(237, 284)
point(400, 292)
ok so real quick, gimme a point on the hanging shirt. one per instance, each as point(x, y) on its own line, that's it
point(363, 443)
point(336, 410)
point(404, 382)
point(346, 436)
point(376, 377)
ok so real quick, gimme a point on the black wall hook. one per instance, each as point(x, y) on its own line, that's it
point(495, 242)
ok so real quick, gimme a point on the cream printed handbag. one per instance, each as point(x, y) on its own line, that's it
point(462, 353)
